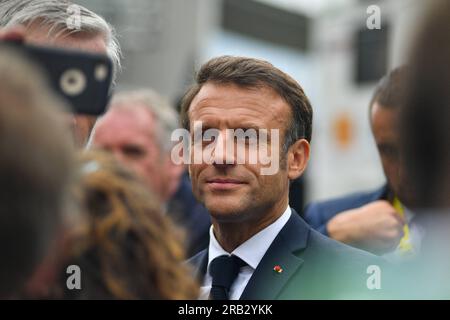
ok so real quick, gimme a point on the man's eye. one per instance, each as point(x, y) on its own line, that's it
point(247, 140)
point(133, 151)
point(209, 140)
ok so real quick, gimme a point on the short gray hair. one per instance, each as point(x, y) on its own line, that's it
point(55, 14)
point(165, 115)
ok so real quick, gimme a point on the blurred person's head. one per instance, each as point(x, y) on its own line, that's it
point(49, 23)
point(245, 93)
point(137, 130)
point(125, 247)
point(36, 167)
point(426, 124)
point(387, 101)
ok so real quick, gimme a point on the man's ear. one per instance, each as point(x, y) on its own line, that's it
point(298, 156)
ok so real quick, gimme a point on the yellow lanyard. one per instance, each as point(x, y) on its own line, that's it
point(405, 245)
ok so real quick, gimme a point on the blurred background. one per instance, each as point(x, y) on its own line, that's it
point(324, 44)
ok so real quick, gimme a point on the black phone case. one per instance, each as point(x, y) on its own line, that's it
point(83, 79)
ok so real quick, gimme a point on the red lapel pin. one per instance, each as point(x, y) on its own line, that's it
point(278, 269)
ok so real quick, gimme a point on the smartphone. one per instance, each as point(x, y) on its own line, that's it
point(83, 79)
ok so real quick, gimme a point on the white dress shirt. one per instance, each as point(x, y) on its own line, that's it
point(251, 251)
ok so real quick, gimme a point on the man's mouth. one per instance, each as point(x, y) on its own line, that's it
point(224, 183)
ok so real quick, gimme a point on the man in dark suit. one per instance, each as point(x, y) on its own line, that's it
point(259, 247)
point(378, 221)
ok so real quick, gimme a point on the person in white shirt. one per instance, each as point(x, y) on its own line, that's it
point(259, 247)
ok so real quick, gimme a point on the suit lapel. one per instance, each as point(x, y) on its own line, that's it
point(266, 283)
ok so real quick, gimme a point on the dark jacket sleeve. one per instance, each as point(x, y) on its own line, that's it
point(317, 214)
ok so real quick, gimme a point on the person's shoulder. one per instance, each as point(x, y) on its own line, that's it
point(333, 270)
point(338, 251)
point(317, 245)
point(346, 272)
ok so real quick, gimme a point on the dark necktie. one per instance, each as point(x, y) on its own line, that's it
point(223, 270)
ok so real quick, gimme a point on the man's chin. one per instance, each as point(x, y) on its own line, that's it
point(225, 211)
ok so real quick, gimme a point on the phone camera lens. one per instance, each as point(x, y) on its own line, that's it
point(101, 72)
point(73, 82)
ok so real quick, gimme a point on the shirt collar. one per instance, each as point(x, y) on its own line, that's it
point(253, 250)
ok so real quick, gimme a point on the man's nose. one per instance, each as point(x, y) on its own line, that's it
point(223, 154)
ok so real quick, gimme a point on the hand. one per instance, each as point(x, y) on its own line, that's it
point(376, 227)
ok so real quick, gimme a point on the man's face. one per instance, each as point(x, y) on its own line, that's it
point(130, 135)
point(237, 192)
point(81, 125)
point(385, 123)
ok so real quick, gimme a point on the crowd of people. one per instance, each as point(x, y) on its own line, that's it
point(105, 196)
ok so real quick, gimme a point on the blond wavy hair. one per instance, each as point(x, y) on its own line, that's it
point(125, 246)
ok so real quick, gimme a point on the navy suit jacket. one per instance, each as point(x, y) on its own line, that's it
point(314, 267)
point(317, 214)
